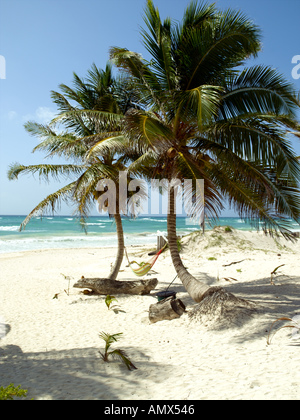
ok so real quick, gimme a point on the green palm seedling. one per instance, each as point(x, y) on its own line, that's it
point(109, 300)
point(117, 353)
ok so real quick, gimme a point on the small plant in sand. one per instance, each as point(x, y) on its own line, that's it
point(228, 229)
point(109, 300)
point(117, 353)
point(295, 325)
point(12, 391)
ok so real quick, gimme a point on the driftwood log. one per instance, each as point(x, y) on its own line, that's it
point(168, 308)
point(112, 287)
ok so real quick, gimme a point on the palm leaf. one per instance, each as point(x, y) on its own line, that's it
point(114, 144)
point(202, 102)
point(45, 170)
point(122, 355)
point(147, 129)
point(259, 89)
point(216, 46)
point(158, 43)
point(109, 338)
point(146, 82)
point(86, 116)
point(50, 203)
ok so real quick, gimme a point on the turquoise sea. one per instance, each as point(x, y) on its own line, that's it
point(66, 232)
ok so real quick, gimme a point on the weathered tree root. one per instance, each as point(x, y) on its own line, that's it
point(220, 309)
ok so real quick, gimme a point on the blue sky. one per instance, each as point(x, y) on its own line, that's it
point(44, 41)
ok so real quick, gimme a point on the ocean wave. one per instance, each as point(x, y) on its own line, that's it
point(94, 224)
point(9, 228)
point(143, 234)
point(57, 242)
point(154, 220)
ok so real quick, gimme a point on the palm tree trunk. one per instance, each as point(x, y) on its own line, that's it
point(195, 288)
point(216, 307)
point(120, 253)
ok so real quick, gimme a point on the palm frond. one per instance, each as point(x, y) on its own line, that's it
point(148, 129)
point(39, 130)
point(208, 51)
point(50, 203)
point(44, 171)
point(85, 117)
point(146, 82)
point(255, 139)
point(122, 355)
point(202, 191)
point(255, 195)
point(259, 89)
point(144, 165)
point(158, 42)
point(201, 102)
point(114, 144)
point(109, 338)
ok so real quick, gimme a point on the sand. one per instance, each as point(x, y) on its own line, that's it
point(51, 346)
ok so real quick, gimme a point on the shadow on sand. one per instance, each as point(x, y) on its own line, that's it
point(75, 373)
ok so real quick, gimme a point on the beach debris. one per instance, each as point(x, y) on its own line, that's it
point(273, 273)
point(117, 353)
point(295, 325)
point(68, 278)
point(87, 292)
point(55, 296)
point(166, 309)
point(234, 262)
point(229, 279)
point(104, 286)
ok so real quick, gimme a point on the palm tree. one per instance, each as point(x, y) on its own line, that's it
point(100, 103)
point(203, 118)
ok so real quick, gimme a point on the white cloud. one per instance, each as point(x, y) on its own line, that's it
point(11, 115)
point(42, 115)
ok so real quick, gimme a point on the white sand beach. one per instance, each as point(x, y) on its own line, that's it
point(51, 346)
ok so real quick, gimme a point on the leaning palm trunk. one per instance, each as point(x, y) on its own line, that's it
point(216, 306)
point(195, 288)
point(120, 253)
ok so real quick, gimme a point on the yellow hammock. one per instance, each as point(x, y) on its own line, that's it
point(144, 268)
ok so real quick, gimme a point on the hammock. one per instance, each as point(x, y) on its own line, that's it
point(144, 268)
